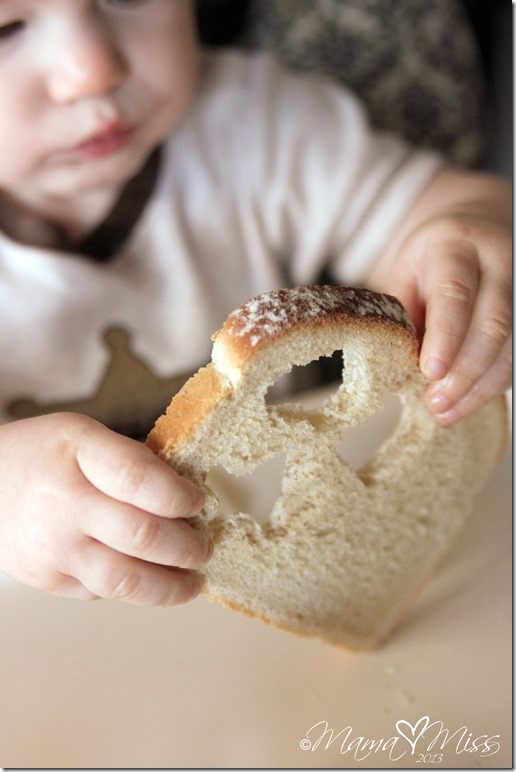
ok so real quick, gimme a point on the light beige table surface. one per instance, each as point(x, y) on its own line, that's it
point(111, 685)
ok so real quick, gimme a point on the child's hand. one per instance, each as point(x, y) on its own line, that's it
point(453, 273)
point(87, 513)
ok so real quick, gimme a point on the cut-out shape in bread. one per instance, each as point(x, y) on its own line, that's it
point(344, 552)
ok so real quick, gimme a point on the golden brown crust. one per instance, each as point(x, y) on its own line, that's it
point(269, 317)
point(199, 396)
point(265, 316)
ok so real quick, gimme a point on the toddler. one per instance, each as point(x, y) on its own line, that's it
point(147, 189)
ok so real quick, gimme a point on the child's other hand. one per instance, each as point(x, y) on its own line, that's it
point(91, 514)
point(453, 273)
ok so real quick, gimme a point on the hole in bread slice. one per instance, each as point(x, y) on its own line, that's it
point(256, 493)
point(359, 444)
point(252, 494)
point(302, 378)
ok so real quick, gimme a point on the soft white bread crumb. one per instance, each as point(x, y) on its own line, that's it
point(343, 553)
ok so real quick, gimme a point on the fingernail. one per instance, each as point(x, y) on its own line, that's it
point(439, 403)
point(434, 368)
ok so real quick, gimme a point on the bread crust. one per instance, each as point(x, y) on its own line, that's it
point(269, 317)
point(198, 398)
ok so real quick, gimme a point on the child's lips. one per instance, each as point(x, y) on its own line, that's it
point(103, 143)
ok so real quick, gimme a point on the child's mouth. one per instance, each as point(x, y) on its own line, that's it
point(105, 142)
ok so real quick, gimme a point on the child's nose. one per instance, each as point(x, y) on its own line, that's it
point(87, 66)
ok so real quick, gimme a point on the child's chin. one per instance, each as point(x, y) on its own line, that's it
point(106, 173)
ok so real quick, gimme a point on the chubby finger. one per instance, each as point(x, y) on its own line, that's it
point(152, 538)
point(487, 342)
point(130, 472)
point(450, 291)
point(493, 383)
point(108, 574)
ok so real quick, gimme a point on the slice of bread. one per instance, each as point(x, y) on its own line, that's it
point(343, 553)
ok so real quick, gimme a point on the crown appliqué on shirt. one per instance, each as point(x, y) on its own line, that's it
point(129, 398)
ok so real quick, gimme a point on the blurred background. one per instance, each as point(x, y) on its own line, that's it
point(438, 72)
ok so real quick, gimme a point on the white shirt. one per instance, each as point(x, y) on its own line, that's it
point(270, 178)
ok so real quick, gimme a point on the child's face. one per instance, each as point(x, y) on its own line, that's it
point(87, 90)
